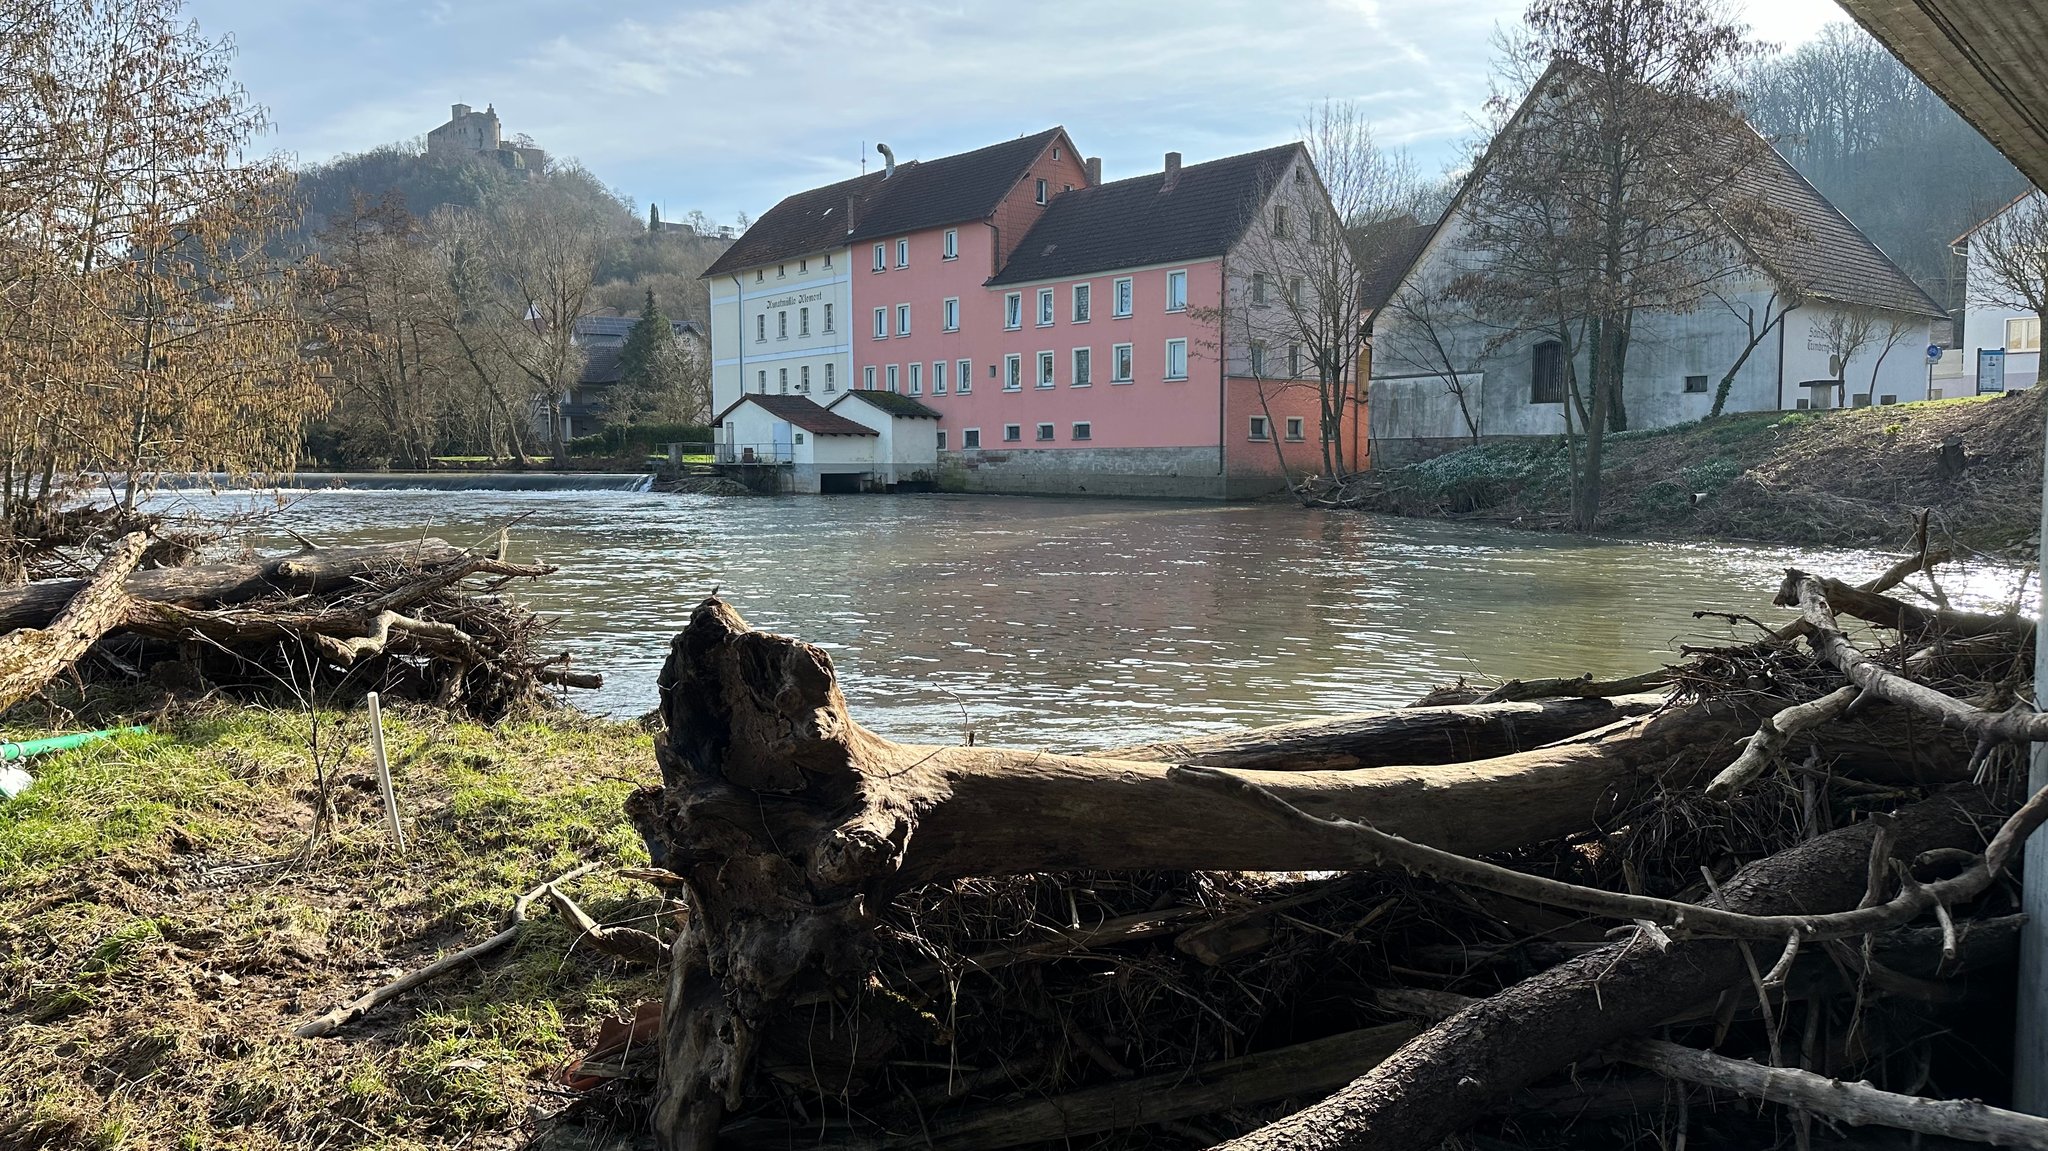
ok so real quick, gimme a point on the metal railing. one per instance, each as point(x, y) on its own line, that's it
point(768, 453)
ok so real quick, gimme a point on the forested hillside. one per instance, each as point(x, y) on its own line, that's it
point(1876, 141)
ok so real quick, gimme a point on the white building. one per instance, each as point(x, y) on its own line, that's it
point(907, 448)
point(1676, 360)
point(2001, 339)
point(790, 444)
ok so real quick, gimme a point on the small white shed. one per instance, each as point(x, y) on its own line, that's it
point(800, 445)
point(908, 450)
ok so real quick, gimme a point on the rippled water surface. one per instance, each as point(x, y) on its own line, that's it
point(1073, 624)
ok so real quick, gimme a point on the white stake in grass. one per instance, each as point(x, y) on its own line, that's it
point(384, 773)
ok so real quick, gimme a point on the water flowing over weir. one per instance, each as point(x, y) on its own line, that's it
point(1080, 623)
point(536, 481)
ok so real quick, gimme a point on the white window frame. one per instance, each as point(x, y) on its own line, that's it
point(803, 322)
point(803, 265)
point(1016, 439)
point(1013, 372)
point(1258, 431)
point(828, 259)
point(963, 380)
point(949, 314)
point(1084, 368)
point(828, 319)
point(902, 320)
point(1259, 288)
point(881, 323)
point(1123, 296)
point(831, 381)
point(1296, 426)
point(803, 377)
point(1044, 433)
point(950, 247)
point(2024, 324)
point(1082, 306)
point(916, 379)
point(1177, 291)
point(1046, 314)
point(1043, 192)
point(938, 377)
point(1179, 345)
point(1122, 361)
point(761, 328)
point(782, 324)
point(1257, 353)
point(903, 253)
point(893, 375)
point(782, 271)
point(1048, 369)
point(761, 382)
point(1013, 311)
point(1082, 430)
point(942, 439)
point(966, 432)
point(867, 378)
point(881, 257)
point(782, 381)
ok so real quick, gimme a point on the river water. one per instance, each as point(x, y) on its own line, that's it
point(1070, 624)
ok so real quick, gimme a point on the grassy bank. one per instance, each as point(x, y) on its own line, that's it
point(165, 922)
point(1837, 477)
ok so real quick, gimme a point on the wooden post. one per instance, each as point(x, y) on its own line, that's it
point(2030, 1031)
point(384, 774)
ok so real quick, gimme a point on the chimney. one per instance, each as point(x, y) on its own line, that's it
point(888, 160)
point(1172, 171)
point(1094, 170)
point(458, 111)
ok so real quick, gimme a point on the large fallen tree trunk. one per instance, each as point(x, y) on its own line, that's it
point(789, 821)
point(1410, 735)
point(310, 571)
point(31, 657)
point(1456, 1070)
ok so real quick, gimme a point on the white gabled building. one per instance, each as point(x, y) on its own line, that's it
point(2000, 347)
point(791, 444)
point(781, 299)
point(907, 450)
point(1513, 387)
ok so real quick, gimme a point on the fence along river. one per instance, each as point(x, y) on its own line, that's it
point(1071, 624)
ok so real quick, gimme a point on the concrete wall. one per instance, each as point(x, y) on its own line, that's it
point(748, 306)
point(1165, 473)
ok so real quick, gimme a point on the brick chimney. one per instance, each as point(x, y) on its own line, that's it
point(1094, 170)
point(1172, 172)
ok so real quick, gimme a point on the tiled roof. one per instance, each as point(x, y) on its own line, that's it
point(623, 325)
point(1386, 251)
point(804, 413)
point(894, 403)
point(921, 194)
point(1823, 253)
point(1135, 222)
point(600, 366)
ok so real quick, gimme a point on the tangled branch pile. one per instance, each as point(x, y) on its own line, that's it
point(1788, 876)
point(422, 621)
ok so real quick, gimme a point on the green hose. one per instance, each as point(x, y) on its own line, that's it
point(28, 747)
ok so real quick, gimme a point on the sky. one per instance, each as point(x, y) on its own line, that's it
point(728, 106)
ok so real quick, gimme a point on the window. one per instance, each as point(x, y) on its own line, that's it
point(803, 321)
point(881, 323)
point(970, 438)
point(2023, 334)
point(903, 319)
point(1044, 432)
point(799, 438)
point(1176, 291)
point(1887, 401)
point(950, 249)
point(1013, 372)
point(1860, 400)
point(867, 377)
point(1300, 177)
point(1176, 359)
point(803, 266)
point(828, 263)
point(782, 380)
point(1294, 428)
point(966, 377)
point(761, 384)
point(1120, 297)
point(1013, 311)
point(1041, 191)
point(831, 385)
point(881, 256)
point(1695, 384)
point(1083, 431)
point(759, 275)
point(942, 439)
point(1083, 367)
point(903, 253)
point(1258, 287)
point(938, 377)
point(1081, 302)
point(1546, 374)
point(916, 379)
point(1258, 358)
point(828, 317)
point(1804, 403)
point(761, 328)
point(1280, 221)
point(781, 271)
point(1120, 364)
point(782, 325)
point(949, 314)
point(803, 378)
point(1294, 360)
point(1258, 429)
point(1294, 290)
point(1315, 227)
point(1045, 369)
point(1012, 433)
point(890, 374)
point(1045, 316)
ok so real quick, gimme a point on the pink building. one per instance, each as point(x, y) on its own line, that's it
point(1071, 334)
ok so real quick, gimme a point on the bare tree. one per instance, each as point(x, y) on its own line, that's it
point(1607, 191)
point(1756, 329)
point(1844, 335)
point(2010, 250)
point(1427, 316)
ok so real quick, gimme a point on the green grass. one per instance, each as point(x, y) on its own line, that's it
point(165, 919)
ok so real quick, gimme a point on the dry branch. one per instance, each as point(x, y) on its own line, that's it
point(627, 943)
point(31, 657)
point(1770, 739)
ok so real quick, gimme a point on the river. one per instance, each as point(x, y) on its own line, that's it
point(1070, 624)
